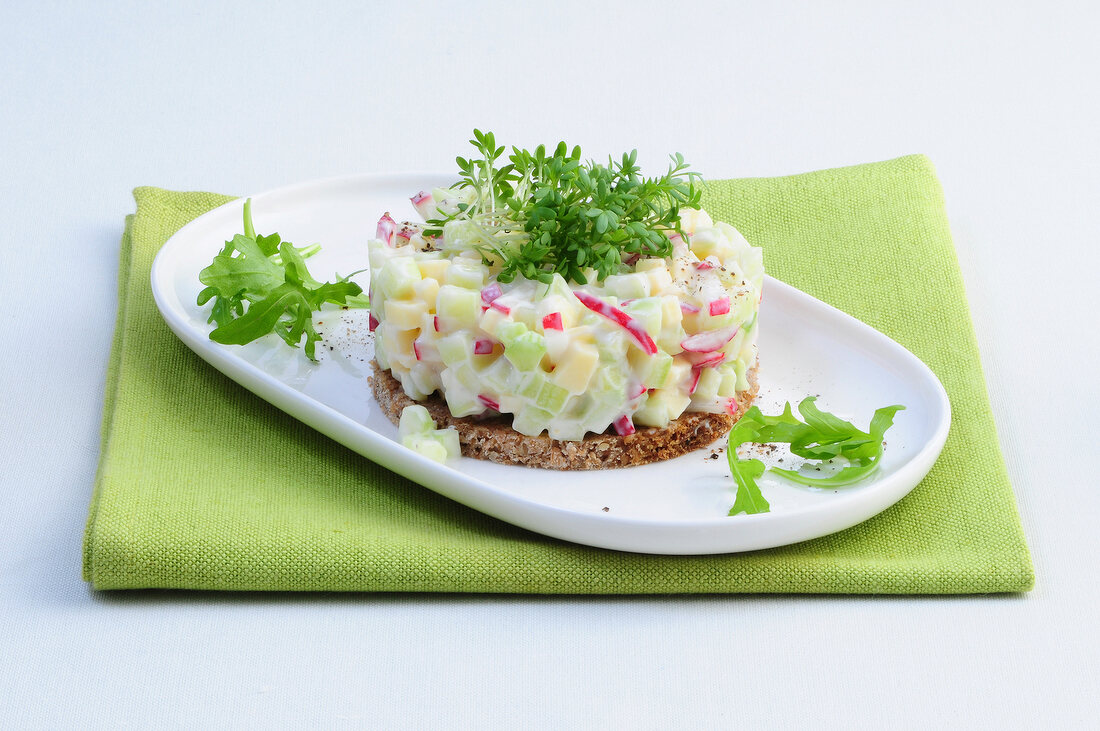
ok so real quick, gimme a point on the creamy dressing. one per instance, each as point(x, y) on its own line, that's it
point(661, 337)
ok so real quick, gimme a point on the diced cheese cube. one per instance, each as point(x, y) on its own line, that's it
point(659, 280)
point(426, 291)
point(404, 315)
point(576, 367)
point(434, 268)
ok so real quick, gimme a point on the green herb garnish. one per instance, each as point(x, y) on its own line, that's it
point(271, 276)
point(542, 213)
point(822, 436)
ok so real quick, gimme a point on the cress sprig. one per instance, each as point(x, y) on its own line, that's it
point(550, 212)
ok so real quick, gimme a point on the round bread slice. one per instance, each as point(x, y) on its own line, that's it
point(495, 440)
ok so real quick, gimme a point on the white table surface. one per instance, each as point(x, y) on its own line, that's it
point(95, 101)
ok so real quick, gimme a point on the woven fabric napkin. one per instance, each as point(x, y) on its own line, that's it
point(203, 485)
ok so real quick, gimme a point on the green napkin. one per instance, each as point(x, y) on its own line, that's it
point(203, 485)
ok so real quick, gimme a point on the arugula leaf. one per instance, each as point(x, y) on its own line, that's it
point(822, 436)
point(272, 277)
point(745, 472)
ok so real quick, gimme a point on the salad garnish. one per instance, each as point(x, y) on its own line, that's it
point(271, 276)
point(822, 436)
point(546, 211)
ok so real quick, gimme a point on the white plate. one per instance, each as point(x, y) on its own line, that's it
point(675, 507)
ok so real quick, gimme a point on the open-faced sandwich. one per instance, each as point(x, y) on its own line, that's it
point(565, 314)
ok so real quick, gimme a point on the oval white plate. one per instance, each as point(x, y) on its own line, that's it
point(675, 507)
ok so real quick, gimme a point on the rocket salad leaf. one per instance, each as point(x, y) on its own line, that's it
point(272, 277)
point(822, 436)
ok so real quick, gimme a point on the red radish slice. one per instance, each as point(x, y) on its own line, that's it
point(674, 236)
point(423, 201)
point(483, 346)
point(688, 309)
point(705, 360)
point(494, 405)
point(636, 391)
point(731, 406)
point(632, 326)
point(696, 373)
point(624, 426)
point(632, 259)
point(703, 265)
point(490, 293)
point(497, 305)
point(435, 322)
point(416, 350)
point(373, 321)
point(552, 322)
point(709, 341)
point(387, 227)
point(720, 307)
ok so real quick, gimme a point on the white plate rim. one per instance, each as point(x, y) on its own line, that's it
point(699, 536)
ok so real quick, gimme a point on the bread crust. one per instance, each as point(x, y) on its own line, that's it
point(495, 440)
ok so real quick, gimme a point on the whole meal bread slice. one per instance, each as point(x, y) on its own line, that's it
point(495, 440)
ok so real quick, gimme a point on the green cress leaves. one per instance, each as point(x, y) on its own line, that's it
point(271, 276)
point(822, 436)
point(548, 212)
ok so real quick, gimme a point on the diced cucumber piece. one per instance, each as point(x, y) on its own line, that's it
point(628, 286)
point(570, 430)
point(611, 378)
point(398, 277)
point(645, 265)
point(660, 365)
point(708, 241)
point(466, 273)
point(464, 234)
point(559, 287)
point(742, 370)
point(426, 446)
point(530, 385)
point(454, 349)
point(415, 419)
point(449, 200)
point(449, 439)
point(660, 407)
point(468, 377)
point(551, 397)
point(498, 376)
point(380, 354)
point(507, 331)
point(707, 388)
point(525, 314)
point(531, 420)
point(458, 308)
point(647, 311)
point(460, 400)
point(652, 412)
point(525, 350)
point(728, 385)
point(612, 346)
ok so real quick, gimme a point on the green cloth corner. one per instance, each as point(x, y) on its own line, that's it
point(202, 485)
